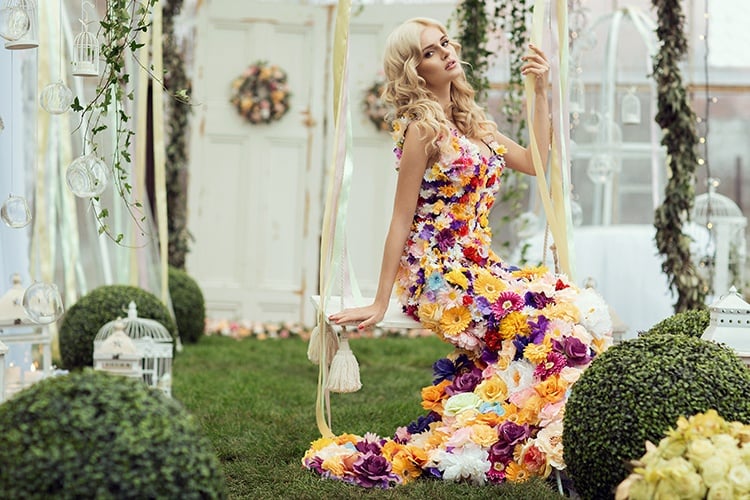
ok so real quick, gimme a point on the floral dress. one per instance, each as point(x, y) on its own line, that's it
point(523, 337)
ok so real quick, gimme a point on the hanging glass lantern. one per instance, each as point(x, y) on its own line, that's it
point(14, 22)
point(577, 102)
point(87, 176)
point(43, 303)
point(56, 98)
point(15, 212)
point(30, 38)
point(85, 48)
point(630, 108)
point(602, 168)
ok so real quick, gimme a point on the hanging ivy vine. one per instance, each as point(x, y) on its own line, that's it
point(178, 124)
point(474, 28)
point(680, 139)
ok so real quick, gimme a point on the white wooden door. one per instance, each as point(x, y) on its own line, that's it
point(254, 189)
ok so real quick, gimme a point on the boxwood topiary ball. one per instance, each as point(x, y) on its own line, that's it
point(95, 435)
point(188, 304)
point(693, 323)
point(100, 306)
point(634, 392)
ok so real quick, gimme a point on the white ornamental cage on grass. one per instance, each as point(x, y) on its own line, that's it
point(730, 324)
point(153, 343)
point(118, 354)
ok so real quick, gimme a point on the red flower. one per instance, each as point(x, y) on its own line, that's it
point(472, 254)
point(493, 340)
point(491, 180)
point(468, 300)
point(560, 285)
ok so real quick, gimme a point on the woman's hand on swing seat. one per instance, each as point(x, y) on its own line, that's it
point(366, 316)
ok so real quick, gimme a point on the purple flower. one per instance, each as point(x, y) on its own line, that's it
point(427, 231)
point(488, 356)
point(445, 239)
point(465, 382)
point(509, 435)
point(538, 329)
point(373, 470)
point(315, 464)
point(520, 343)
point(537, 300)
point(576, 351)
point(483, 305)
point(423, 423)
point(463, 364)
point(368, 446)
point(443, 369)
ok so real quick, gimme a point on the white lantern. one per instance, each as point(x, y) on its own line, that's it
point(30, 38)
point(153, 344)
point(118, 354)
point(730, 324)
point(630, 108)
point(85, 48)
point(29, 356)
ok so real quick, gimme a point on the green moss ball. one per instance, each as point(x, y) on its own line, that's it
point(100, 306)
point(188, 304)
point(94, 435)
point(634, 392)
point(693, 323)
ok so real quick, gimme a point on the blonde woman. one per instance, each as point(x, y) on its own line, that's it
point(494, 411)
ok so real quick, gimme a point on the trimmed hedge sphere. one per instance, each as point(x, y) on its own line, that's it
point(692, 323)
point(100, 306)
point(188, 304)
point(634, 392)
point(95, 435)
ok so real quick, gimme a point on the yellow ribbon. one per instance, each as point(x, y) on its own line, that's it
point(557, 203)
point(332, 233)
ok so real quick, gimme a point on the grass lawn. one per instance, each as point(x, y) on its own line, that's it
point(255, 401)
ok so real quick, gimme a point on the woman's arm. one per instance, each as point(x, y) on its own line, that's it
point(411, 171)
point(517, 157)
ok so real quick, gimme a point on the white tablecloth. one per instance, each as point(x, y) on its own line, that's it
point(625, 266)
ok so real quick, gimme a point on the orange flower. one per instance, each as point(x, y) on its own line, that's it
point(408, 463)
point(529, 412)
point(516, 473)
point(429, 314)
point(552, 389)
point(391, 449)
point(432, 396)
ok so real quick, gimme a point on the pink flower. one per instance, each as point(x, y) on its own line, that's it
point(507, 302)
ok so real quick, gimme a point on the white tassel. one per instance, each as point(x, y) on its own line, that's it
point(314, 344)
point(344, 373)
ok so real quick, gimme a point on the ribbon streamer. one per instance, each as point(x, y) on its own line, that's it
point(555, 196)
point(332, 234)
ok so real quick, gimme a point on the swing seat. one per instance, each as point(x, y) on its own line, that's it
point(394, 316)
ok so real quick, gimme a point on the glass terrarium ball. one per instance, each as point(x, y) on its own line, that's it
point(56, 98)
point(576, 213)
point(601, 168)
point(15, 212)
point(14, 23)
point(43, 303)
point(87, 176)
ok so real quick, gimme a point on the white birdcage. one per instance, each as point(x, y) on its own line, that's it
point(30, 39)
point(85, 47)
point(730, 324)
point(153, 343)
point(725, 259)
point(118, 354)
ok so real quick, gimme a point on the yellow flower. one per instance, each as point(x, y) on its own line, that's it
point(408, 462)
point(501, 149)
point(516, 473)
point(334, 465)
point(347, 438)
point(537, 353)
point(321, 443)
point(449, 191)
point(455, 320)
point(529, 412)
point(483, 435)
point(488, 286)
point(492, 390)
point(456, 277)
point(564, 311)
point(429, 314)
point(552, 389)
point(514, 323)
point(530, 272)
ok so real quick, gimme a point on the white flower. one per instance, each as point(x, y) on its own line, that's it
point(549, 440)
point(467, 463)
point(461, 402)
point(739, 477)
point(594, 312)
point(518, 376)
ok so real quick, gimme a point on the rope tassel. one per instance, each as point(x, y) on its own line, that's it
point(316, 344)
point(344, 373)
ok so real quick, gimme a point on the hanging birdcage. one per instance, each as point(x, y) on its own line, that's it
point(153, 343)
point(630, 108)
point(85, 47)
point(724, 261)
point(30, 38)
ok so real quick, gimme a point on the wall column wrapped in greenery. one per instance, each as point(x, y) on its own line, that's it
point(474, 27)
point(677, 121)
point(177, 123)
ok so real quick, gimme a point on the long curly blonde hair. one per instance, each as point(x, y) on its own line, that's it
point(407, 92)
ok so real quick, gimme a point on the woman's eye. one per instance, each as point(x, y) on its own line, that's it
point(428, 54)
point(444, 43)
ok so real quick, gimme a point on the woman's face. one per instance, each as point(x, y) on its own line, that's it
point(439, 65)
